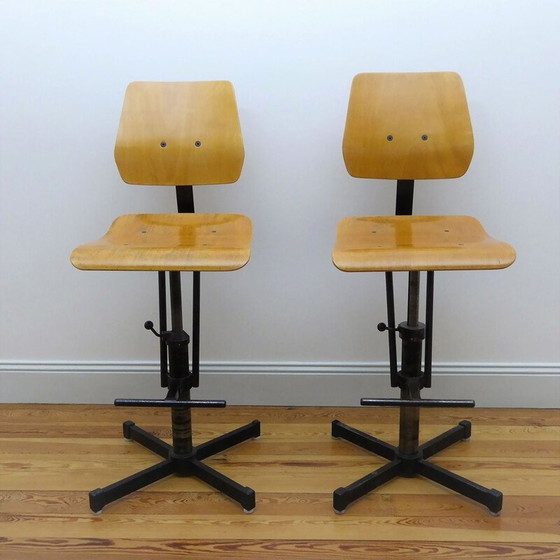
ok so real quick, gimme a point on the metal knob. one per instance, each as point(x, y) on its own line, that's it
point(383, 327)
point(149, 326)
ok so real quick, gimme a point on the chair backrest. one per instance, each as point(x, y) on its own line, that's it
point(408, 126)
point(179, 133)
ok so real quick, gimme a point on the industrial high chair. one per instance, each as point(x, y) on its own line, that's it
point(181, 134)
point(406, 127)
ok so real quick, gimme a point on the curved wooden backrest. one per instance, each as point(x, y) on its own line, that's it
point(179, 133)
point(408, 126)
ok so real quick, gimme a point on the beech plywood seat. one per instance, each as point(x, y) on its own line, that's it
point(191, 242)
point(405, 243)
point(183, 133)
point(409, 127)
point(176, 134)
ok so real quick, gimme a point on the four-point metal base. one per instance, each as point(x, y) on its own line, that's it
point(183, 465)
point(409, 466)
point(409, 458)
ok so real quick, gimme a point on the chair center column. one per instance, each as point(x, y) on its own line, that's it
point(178, 345)
point(412, 334)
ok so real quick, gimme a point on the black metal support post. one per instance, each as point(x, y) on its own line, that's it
point(196, 330)
point(182, 457)
point(185, 199)
point(181, 421)
point(409, 458)
point(392, 330)
point(162, 327)
point(405, 197)
point(410, 375)
point(429, 329)
point(185, 205)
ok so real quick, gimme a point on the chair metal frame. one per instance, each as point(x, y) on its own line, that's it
point(182, 457)
point(404, 127)
point(176, 134)
point(409, 458)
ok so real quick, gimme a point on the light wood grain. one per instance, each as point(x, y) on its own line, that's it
point(408, 126)
point(242, 549)
point(175, 133)
point(51, 456)
point(202, 242)
point(401, 243)
point(179, 133)
point(411, 126)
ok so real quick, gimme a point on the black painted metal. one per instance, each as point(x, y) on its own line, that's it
point(460, 432)
point(423, 403)
point(392, 336)
point(181, 458)
point(343, 497)
point(185, 199)
point(363, 440)
point(176, 301)
point(132, 432)
point(411, 372)
point(491, 498)
point(181, 428)
point(185, 205)
point(170, 403)
point(413, 298)
point(162, 327)
point(223, 442)
point(409, 458)
point(182, 465)
point(429, 329)
point(410, 465)
point(405, 197)
point(409, 419)
point(241, 494)
point(100, 497)
point(195, 366)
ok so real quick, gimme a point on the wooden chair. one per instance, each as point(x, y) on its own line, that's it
point(179, 134)
point(408, 127)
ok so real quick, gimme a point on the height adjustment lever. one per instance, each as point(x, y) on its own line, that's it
point(170, 337)
point(383, 327)
point(149, 326)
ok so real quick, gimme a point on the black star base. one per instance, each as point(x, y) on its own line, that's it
point(188, 464)
point(409, 465)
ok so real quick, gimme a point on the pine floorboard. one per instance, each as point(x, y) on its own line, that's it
point(51, 456)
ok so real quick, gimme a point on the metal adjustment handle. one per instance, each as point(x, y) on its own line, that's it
point(149, 326)
point(383, 327)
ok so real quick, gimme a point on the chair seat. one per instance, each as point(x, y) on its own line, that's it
point(406, 243)
point(165, 242)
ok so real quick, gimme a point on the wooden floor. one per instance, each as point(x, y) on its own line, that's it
point(51, 456)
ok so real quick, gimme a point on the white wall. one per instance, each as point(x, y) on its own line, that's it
point(289, 317)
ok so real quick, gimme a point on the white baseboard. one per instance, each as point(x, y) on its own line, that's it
point(279, 383)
